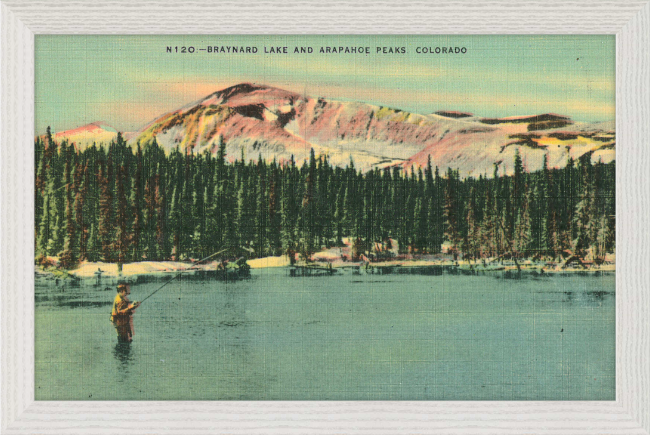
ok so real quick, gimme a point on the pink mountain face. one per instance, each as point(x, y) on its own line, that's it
point(96, 132)
point(92, 128)
point(256, 120)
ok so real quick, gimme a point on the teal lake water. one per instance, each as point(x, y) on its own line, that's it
point(349, 337)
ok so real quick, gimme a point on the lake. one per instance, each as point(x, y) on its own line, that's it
point(348, 337)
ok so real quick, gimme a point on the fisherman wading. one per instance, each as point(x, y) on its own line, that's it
point(122, 313)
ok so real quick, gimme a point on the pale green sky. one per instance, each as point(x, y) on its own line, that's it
point(126, 81)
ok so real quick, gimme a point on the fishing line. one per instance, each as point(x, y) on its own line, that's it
point(180, 273)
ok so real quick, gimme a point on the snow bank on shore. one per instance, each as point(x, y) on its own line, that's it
point(90, 269)
point(109, 270)
point(260, 263)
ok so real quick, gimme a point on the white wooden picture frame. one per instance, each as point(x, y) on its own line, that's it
point(628, 20)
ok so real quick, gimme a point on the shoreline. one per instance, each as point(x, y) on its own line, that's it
point(107, 273)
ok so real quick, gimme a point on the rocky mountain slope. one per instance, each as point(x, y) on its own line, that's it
point(261, 120)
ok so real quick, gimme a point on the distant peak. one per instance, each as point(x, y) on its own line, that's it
point(91, 127)
point(246, 94)
point(245, 88)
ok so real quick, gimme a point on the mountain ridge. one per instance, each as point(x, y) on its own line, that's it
point(254, 119)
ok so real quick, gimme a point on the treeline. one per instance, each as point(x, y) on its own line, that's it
point(117, 204)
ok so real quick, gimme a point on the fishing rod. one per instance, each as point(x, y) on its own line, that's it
point(181, 272)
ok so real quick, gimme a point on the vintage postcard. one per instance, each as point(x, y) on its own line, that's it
point(325, 217)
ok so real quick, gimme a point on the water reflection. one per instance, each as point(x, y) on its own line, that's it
point(74, 299)
point(586, 299)
point(122, 353)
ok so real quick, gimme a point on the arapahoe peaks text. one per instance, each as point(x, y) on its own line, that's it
point(231, 49)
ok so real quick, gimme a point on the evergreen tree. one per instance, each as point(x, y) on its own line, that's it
point(94, 246)
point(158, 244)
point(105, 225)
point(260, 204)
point(80, 208)
point(39, 184)
point(407, 236)
point(518, 185)
point(387, 207)
point(422, 216)
point(472, 240)
point(198, 212)
point(451, 213)
point(548, 205)
point(536, 203)
point(274, 212)
point(217, 209)
point(136, 201)
point(47, 227)
point(288, 209)
point(428, 211)
point(339, 214)
point(122, 235)
point(566, 212)
point(523, 237)
point(242, 217)
point(68, 256)
point(583, 218)
point(493, 221)
point(436, 214)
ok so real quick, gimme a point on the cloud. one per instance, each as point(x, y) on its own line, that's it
point(419, 89)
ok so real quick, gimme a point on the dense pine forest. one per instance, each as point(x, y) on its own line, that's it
point(119, 204)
